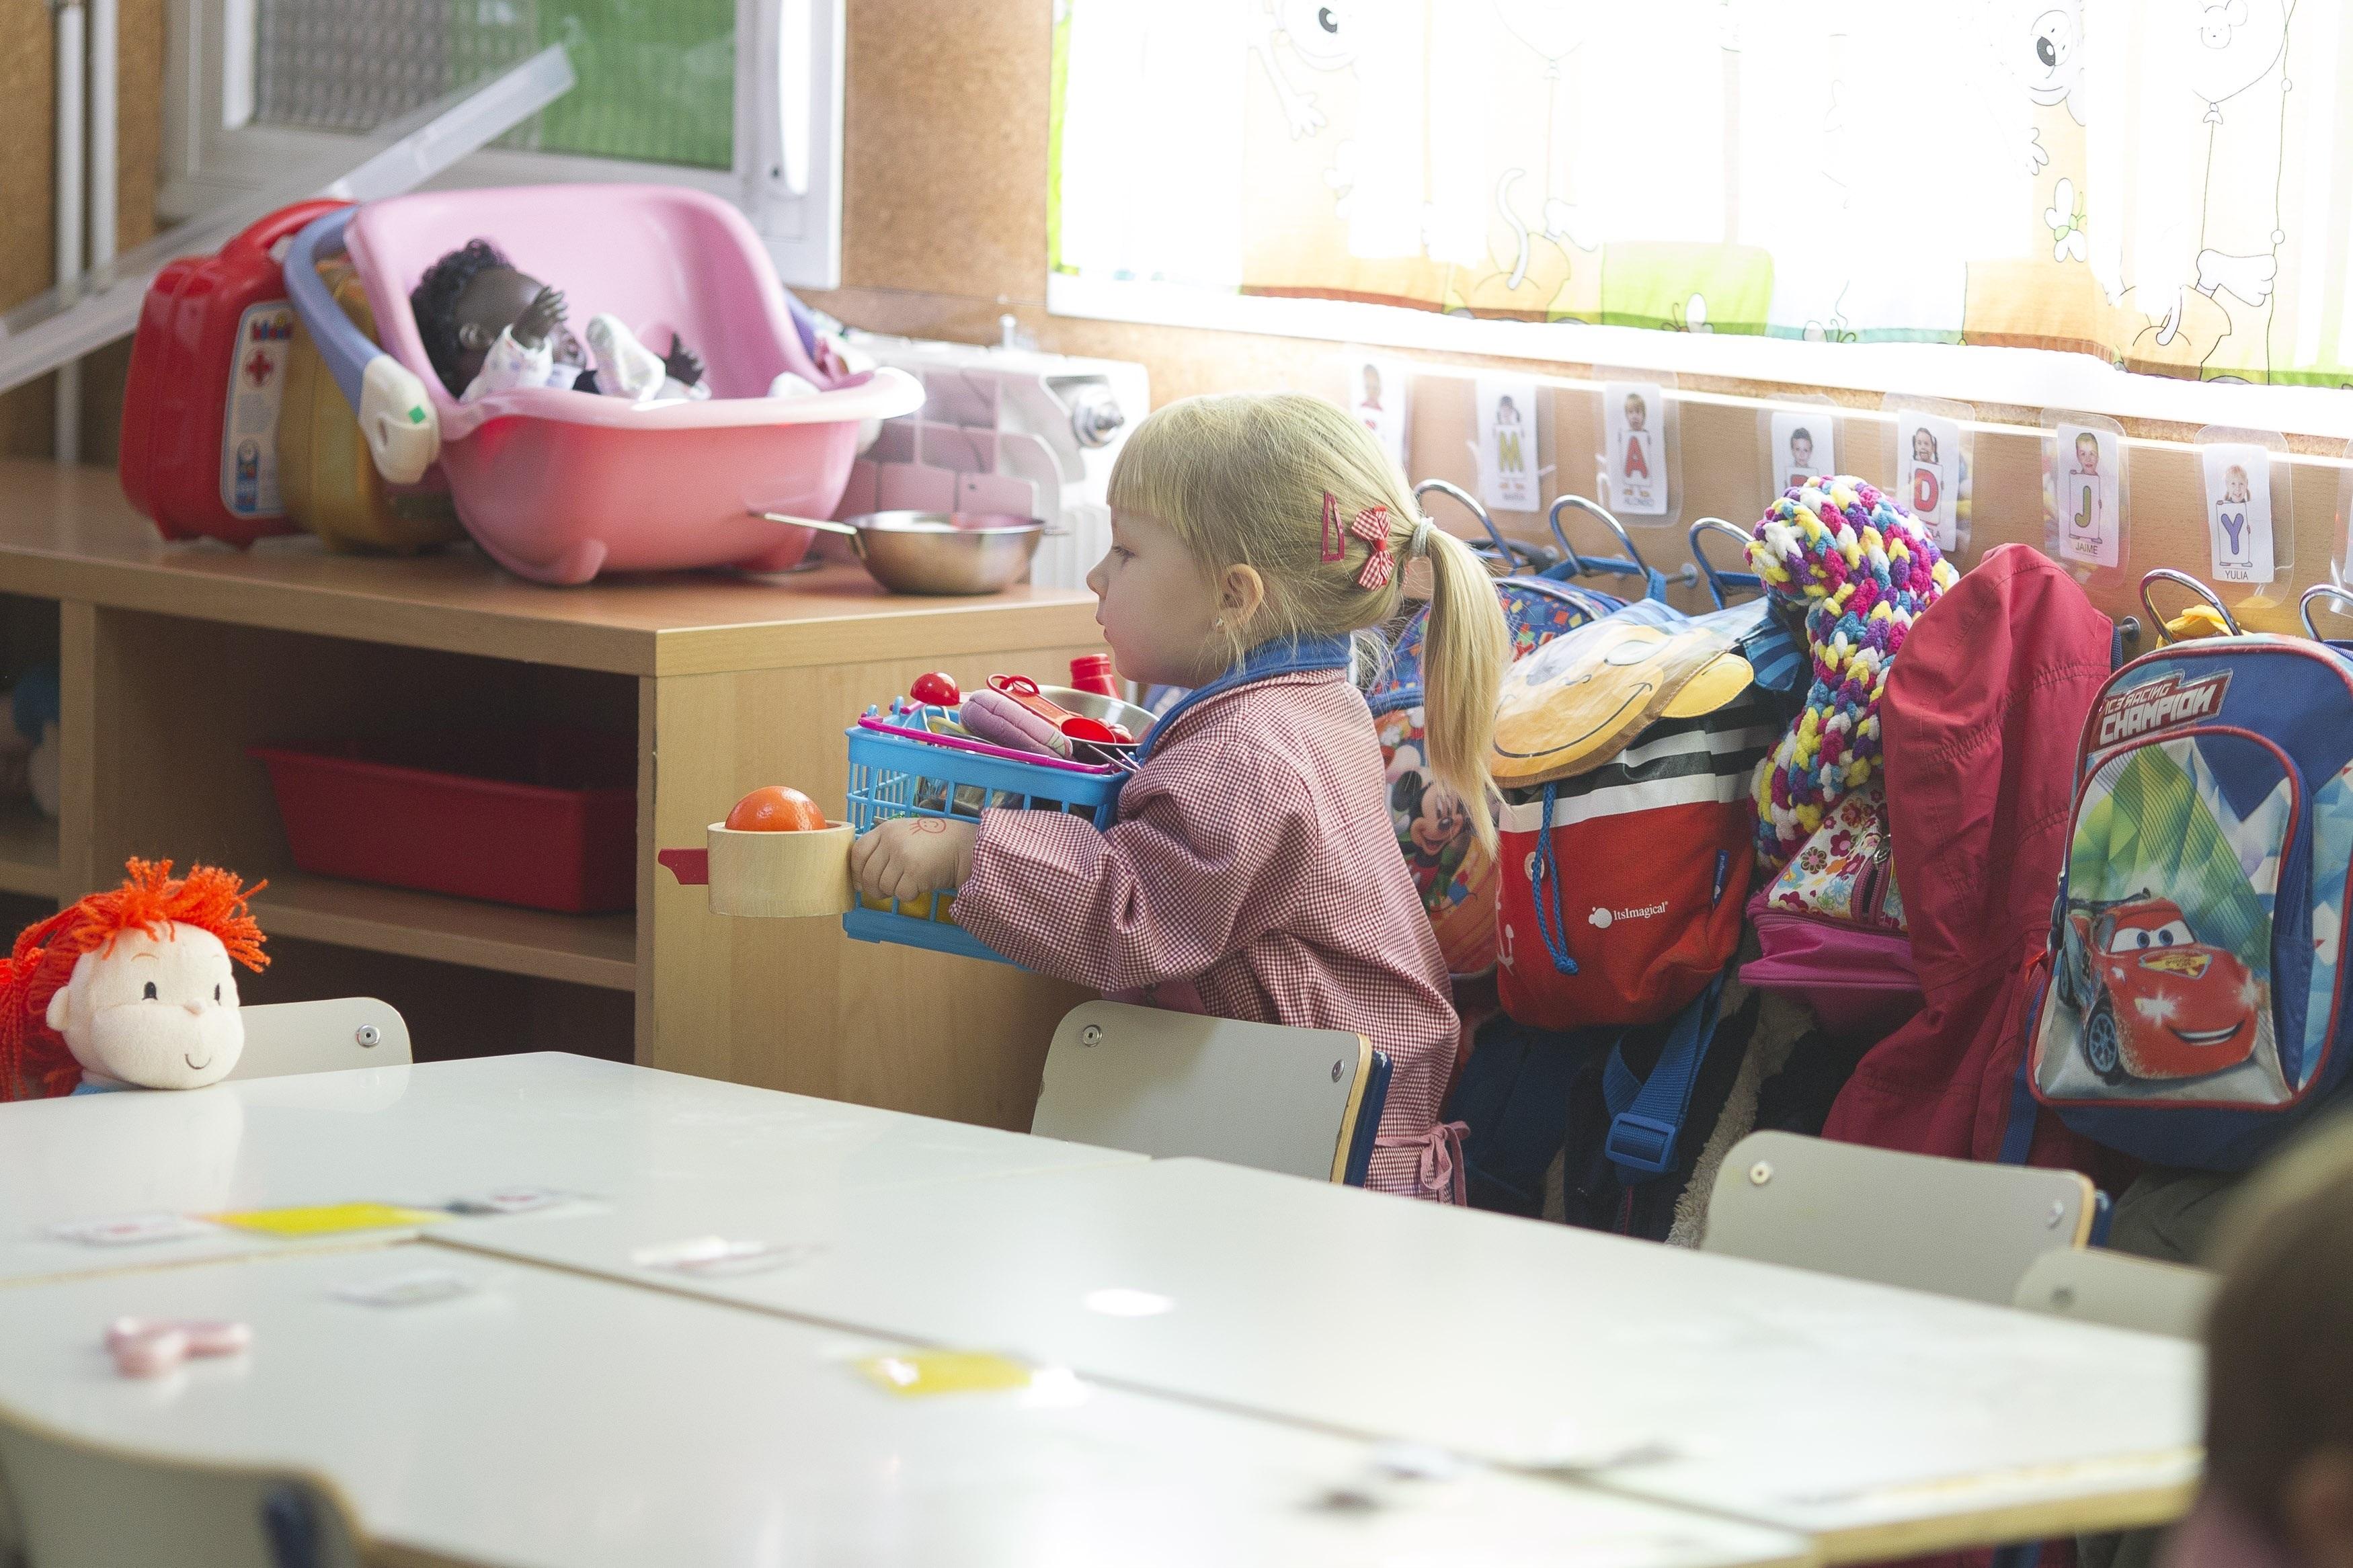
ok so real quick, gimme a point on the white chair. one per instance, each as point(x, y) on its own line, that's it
point(2120, 1291)
point(1302, 1101)
point(1956, 1228)
point(282, 1038)
point(82, 1505)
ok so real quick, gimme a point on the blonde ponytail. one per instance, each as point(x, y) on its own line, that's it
point(1249, 479)
point(1464, 655)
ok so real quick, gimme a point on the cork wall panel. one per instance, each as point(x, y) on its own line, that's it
point(29, 198)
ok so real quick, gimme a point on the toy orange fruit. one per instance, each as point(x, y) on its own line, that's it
point(776, 809)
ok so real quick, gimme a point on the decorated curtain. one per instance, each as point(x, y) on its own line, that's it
point(2165, 183)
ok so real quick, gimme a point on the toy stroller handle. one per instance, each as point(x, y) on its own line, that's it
point(1509, 550)
point(2195, 586)
point(395, 412)
point(2320, 591)
point(1717, 581)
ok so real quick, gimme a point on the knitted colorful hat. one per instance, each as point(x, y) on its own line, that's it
point(1862, 568)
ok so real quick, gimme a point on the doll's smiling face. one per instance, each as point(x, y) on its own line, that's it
point(157, 1011)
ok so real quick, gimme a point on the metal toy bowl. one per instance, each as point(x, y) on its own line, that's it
point(938, 551)
point(1095, 705)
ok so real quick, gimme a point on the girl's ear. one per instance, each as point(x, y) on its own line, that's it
point(1240, 591)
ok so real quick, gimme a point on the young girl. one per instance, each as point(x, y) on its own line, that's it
point(2279, 1371)
point(1254, 872)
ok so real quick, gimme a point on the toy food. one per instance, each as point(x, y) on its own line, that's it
point(776, 809)
point(935, 689)
point(131, 986)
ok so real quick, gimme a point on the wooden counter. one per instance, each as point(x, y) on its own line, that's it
point(176, 657)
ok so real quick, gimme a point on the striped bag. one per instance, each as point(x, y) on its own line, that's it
point(1623, 885)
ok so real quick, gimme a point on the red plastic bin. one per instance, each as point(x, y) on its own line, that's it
point(538, 816)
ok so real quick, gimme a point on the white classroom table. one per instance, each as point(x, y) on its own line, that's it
point(557, 1421)
point(1878, 1422)
point(437, 1132)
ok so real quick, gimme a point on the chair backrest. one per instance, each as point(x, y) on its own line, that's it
point(2120, 1291)
point(83, 1506)
point(1302, 1101)
point(282, 1038)
point(1956, 1228)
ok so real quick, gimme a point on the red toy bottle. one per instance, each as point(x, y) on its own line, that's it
point(199, 450)
point(1092, 672)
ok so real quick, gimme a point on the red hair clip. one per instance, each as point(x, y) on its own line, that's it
point(1372, 526)
point(1335, 538)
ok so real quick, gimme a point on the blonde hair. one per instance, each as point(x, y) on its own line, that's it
point(1241, 479)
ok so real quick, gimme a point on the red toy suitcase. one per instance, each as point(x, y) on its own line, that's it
point(199, 450)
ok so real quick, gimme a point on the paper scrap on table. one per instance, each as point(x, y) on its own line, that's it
point(417, 1289)
point(915, 1373)
point(128, 1229)
point(710, 1257)
point(2239, 503)
point(1633, 414)
point(511, 1200)
point(325, 1220)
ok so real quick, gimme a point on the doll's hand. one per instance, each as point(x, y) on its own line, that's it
point(679, 365)
point(540, 317)
point(909, 856)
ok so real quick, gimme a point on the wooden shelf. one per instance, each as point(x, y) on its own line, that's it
point(29, 851)
point(587, 950)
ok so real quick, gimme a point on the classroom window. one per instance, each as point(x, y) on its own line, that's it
point(657, 77)
point(2151, 188)
point(740, 98)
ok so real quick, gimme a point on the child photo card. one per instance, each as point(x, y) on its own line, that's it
point(2087, 470)
point(2239, 511)
point(1634, 416)
point(1928, 472)
point(1804, 446)
point(1509, 467)
point(1380, 396)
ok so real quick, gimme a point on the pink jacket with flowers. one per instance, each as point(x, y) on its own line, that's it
point(1253, 873)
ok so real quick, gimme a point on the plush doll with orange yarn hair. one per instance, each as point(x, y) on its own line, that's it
point(132, 987)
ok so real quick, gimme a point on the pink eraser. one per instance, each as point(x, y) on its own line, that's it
point(151, 1354)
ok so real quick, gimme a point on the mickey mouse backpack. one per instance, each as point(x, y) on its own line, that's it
point(2188, 1013)
point(1455, 878)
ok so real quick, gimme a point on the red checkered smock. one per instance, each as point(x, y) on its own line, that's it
point(1253, 874)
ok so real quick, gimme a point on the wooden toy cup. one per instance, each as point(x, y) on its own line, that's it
point(780, 876)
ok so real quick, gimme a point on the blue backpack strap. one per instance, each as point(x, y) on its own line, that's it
point(1646, 1114)
point(1546, 892)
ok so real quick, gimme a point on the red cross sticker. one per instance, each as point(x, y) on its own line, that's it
point(259, 367)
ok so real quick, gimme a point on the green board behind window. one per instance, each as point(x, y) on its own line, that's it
point(657, 77)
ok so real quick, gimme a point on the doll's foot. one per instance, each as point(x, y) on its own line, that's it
point(625, 368)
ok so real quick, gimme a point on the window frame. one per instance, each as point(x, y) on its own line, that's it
point(207, 161)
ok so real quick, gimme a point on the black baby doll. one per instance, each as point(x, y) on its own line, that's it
point(490, 328)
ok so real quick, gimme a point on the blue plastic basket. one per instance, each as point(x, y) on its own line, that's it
point(890, 775)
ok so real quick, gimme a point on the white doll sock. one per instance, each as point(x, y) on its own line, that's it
point(625, 368)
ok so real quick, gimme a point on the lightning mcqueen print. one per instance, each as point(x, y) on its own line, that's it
point(2156, 1002)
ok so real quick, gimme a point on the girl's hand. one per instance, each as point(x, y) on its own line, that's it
point(909, 856)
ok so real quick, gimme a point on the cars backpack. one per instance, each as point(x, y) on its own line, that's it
point(1455, 878)
point(2188, 1013)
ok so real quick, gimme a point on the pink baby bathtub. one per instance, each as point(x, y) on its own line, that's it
point(560, 486)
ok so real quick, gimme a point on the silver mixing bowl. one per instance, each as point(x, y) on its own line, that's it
point(1095, 705)
point(938, 551)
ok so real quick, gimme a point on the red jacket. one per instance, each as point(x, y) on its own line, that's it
point(1983, 710)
